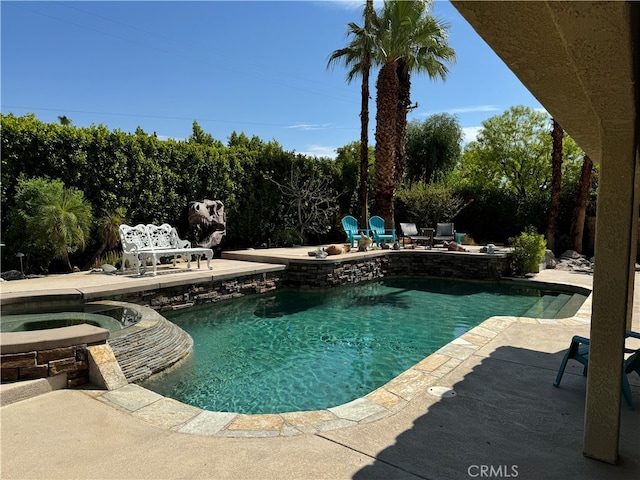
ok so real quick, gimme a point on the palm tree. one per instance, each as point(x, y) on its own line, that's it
point(427, 52)
point(60, 221)
point(357, 56)
point(580, 209)
point(409, 40)
point(108, 226)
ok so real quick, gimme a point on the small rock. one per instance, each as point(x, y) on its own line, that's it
point(107, 268)
point(12, 275)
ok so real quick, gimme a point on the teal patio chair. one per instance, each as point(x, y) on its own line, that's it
point(350, 226)
point(380, 234)
point(579, 351)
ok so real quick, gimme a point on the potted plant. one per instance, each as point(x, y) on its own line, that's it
point(528, 250)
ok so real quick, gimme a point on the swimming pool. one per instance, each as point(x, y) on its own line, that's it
point(309, 350)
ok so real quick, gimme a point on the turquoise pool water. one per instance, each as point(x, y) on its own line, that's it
point(308, 350)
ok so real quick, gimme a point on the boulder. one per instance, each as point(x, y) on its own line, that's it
point(550, 259)
point(12, 275)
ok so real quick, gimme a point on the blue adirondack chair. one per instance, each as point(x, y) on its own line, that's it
point(350, 226)
point(381, 234)
point(579, 351)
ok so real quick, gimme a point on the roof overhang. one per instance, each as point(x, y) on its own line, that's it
point(579, 59)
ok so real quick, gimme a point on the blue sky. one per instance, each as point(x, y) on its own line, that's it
point(257, 67)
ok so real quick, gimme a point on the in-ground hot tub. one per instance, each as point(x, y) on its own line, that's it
point(43, 321)
point(110, 317)
point(54, 341)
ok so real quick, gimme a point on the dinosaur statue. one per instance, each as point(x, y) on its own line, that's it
point(207, 223)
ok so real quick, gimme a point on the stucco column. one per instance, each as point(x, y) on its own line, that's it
point(616, 230)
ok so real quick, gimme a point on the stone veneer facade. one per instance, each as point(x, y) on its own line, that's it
point(343, 270)
point(32, 365)
point(331, 272)
point(42, 354)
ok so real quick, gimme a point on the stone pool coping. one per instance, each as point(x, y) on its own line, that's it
point(382, 402)
point(19, 342)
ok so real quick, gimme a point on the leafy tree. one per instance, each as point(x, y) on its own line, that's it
point(513, 150)
point(357, 56)
point(347, 167)
point(433, 146)
point(310, 202)
point(198, 135)
point(64, 120)
point(56, 219)
point(428, 204)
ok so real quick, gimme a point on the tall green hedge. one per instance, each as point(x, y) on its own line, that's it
point(153, 179)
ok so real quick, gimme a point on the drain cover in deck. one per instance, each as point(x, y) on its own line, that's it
point(442, 392)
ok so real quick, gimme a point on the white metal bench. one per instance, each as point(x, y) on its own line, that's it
point(144, 243)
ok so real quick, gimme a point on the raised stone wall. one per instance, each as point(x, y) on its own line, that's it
point(333, 273)
point(182, 296)
point(49, 353)
point(342, 270)
point(466, 266)
point(45, 363)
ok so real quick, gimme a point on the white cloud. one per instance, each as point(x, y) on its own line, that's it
point(474, 109)
point(167, 137)
point(308, 126)
point(463, 110)
point(320, 151)
point(469, 134)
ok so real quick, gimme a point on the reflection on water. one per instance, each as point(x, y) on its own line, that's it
point(308, 350)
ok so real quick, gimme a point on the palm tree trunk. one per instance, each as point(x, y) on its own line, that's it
point(386, 103)
point(556, 183)
point(580, 210)
point(364, 125)
point(404, 102)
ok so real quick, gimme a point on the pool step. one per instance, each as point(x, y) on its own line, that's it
point(554, 307)
point(538, 308)
point(572, 305)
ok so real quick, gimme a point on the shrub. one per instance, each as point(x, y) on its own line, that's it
point(528, 251)
point(288, 237)
point(112, 257)
point(427, 204)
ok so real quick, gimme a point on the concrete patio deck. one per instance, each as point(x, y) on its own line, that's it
point(506, 419)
